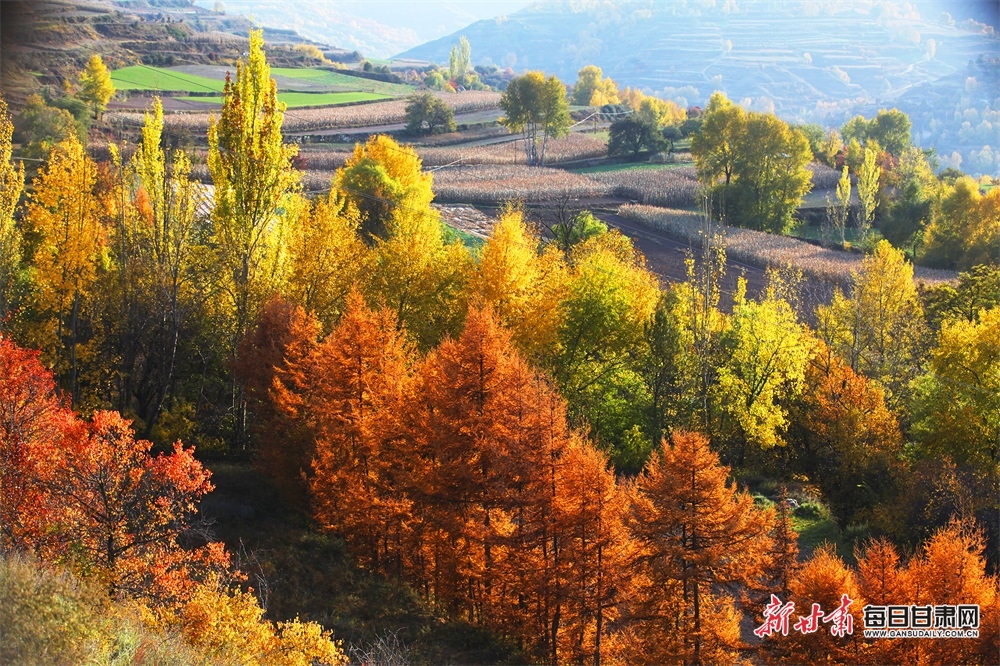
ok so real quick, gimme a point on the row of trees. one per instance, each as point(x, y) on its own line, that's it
point(945, 221)
point(139, 302)
point(457, 472)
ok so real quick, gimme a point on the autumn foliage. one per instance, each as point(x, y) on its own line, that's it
point(90, 495)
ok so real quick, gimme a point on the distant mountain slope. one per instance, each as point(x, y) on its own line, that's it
point(375, 28)
point(45, 42)
point(807, 60)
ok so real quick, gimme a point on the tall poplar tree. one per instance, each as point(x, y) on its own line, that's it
point(64, 214)
point(253, 176)
point(11, 186)
point(97, 85)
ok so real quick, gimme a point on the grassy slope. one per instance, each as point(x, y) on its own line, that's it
point(337, 81)
point(143, 77)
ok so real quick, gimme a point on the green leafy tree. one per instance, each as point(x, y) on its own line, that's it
point(909, 211)
point(426, 114)
point(715, 145)
point(537, 108)
point(868, 188)
point(97, 86)
point(891, 128)
point(577, 229)
point(977, 289)
point(633, 135)
point(39, 126)
point(592, 89)
point(609, 298)
point(460, 61)
point(754, 163)
point(837, 212)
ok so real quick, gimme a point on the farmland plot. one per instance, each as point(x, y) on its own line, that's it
point(674, 188)
point(493, 184)
point(767, 250)
point(576, 146)
point(304, 120)
point(823, 177)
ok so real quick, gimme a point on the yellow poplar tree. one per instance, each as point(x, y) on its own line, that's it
point(156, 251)
point(382, 179)
point(11, 186)
point(327, 257)
point(253, 175)
point(878, 329)
point(65, 215)
point(252, 172)
point(420, 277)
point(767, 353)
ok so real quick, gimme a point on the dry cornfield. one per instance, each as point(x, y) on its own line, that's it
point(490, 184)
point(672, 187)
point(767, 250)
point(333, 117)
point(576, 146)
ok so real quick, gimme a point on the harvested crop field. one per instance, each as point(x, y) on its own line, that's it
point(576, 146)
point(303, 120)
point(767, 250)
point(493, 184)
point(671, 187)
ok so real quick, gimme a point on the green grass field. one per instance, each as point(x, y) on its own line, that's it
point(296, 100)
point(331, 87)
point(337, 81)
point(142, 77)
point(629, 166)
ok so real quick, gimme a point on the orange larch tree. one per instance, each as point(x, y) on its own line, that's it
point(358, 383)
point(269, 365)
point(824, 580)
point(698, 537)
point(845, 436)
point(883, 582)
point(951, 569)
point(475, 452)
point(589, 527)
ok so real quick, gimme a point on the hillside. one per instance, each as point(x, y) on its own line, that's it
point(808, 62)
point(45, 43)
point(376, 29)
